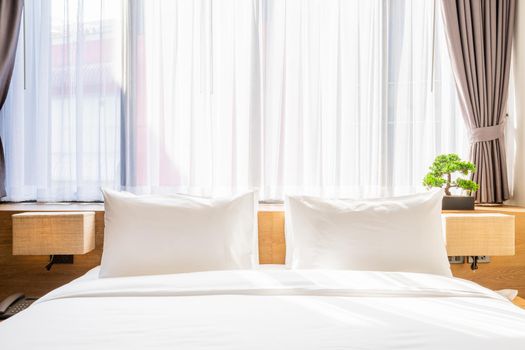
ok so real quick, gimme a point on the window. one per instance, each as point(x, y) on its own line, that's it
point(334, 98)
point(60, 122)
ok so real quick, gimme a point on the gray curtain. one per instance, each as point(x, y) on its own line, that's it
point(479, 38)
point(10, 16)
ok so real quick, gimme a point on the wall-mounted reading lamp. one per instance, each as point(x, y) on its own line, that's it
point(477, 235)
point(57, 234)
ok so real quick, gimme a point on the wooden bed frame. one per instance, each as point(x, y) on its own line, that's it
point(26, 274)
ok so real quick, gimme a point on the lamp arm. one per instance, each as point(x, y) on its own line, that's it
point(474, 265)
point(50, 263)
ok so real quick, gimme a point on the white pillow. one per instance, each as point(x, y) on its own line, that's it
point(147, 235)
point(388, 234)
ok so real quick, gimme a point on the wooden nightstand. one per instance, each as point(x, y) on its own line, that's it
point(519, 302)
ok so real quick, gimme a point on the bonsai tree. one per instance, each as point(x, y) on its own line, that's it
point(441, 171)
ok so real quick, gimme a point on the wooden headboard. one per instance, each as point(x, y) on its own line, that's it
point(27, 274)
point(272, 245)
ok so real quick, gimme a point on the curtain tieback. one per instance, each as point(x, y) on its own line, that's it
point(487, 133)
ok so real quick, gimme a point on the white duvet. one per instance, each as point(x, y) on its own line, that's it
point(268, 309)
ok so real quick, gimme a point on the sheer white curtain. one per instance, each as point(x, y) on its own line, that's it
point(336, 98)
point(329, 97)
point(350, 104)
point(325, 117)
point(60, 121)
point(423, 114)
point(194, 120)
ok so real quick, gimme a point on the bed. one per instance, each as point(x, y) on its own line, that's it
point(179, 273)
point(268, 309)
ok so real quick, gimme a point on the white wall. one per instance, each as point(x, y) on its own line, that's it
point(516, 131)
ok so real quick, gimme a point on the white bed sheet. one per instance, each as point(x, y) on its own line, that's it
point(268, 309)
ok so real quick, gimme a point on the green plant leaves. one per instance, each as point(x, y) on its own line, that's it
point(441, 171)
point(467, 185)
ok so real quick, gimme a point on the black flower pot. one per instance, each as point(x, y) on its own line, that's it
point(458, 203)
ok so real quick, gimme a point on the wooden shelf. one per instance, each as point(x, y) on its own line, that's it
point(35, 206)
point(275, 207)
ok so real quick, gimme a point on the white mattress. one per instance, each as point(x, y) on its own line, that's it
point(268, 309)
